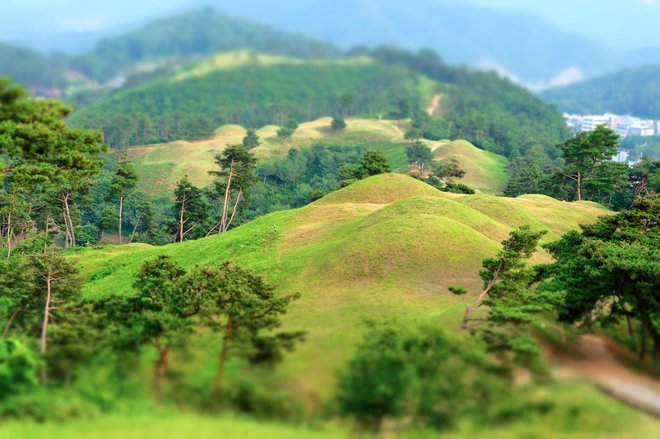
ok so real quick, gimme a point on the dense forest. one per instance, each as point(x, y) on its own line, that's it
point(634, 92)
point(257, 91)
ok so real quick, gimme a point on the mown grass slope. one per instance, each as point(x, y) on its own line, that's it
point(386, 245)
point(161, 166)
point(485, 171)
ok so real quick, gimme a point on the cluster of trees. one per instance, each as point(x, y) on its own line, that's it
point(585, 171)
point(604, 276)
point(441, 174)
point(51, 333)
point(49, 166)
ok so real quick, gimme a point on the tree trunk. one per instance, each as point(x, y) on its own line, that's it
point(44, 326)
point(5, 333)
point(477, 303)
point(225, 204)
point(579, 186)
point(223, 358)
point(161, 370)
point(68, 220)
point(181, 221)
point(233, 213)
point(121, 208)
point(137, 222)
point(9, 234)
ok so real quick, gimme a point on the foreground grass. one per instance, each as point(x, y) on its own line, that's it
point(171, 427)
point(579, 411)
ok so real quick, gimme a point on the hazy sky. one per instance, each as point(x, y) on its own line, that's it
point(622, 24)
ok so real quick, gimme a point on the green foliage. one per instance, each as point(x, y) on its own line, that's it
point(610, 269)
point(489, 111)
point(251, 140)
point(190, 211)
point(252, 93)
point(19, 368)
point(372, 163)
point(640, 147)
point(287, 130)
point(511, 305)
point(338, 123)
point(419, 154)
point(419, 373)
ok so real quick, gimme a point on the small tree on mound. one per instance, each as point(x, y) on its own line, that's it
point(419, 156)
point(372, 163)
point(338, 124)
point(251, 140)
point(287, 130)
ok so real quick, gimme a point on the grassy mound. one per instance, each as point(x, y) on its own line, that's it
point(388, 244)
point(485, 171)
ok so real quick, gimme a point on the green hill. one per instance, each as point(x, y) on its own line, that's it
point(187, 35)
point(632, 91)
point(161, 166)
point(485, 171)
point(252, 90)
point(386, 244)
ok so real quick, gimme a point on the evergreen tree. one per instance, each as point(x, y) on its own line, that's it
point(123, 182)
point(338, 124)
point(251, 140)
point(190, 209)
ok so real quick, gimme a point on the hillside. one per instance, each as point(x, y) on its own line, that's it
point(161, 166)
point(30, 68)
point(252, 90)
point(634, 92)
point(188, 35)
point(376, 224)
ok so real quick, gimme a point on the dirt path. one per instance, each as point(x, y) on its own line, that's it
point(435, 104)
point(599, 359)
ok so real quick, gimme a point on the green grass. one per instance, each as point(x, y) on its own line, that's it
point(485, 171)
point(171, 427)
point(386, 245)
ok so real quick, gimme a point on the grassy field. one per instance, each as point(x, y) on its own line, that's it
point(386, 245)
point(161, 166)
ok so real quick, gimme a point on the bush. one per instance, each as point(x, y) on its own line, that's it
point(421, 374)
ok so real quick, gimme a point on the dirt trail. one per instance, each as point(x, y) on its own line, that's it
point(599, 359)
point(435, 104)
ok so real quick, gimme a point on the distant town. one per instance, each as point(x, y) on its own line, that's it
point(624, 126)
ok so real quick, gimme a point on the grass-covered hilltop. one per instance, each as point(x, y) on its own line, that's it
point(226, 230)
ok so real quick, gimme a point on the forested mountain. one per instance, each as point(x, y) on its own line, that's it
point(633, 92)
point(520, 43)
point(194, 34)
point(31, 68)
point(255, 90)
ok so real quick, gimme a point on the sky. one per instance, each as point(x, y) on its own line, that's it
point(618, 24)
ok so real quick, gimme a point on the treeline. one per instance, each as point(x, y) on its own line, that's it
point(251, 95)
point(585, 171)
point(189, 35)
point(634, 92)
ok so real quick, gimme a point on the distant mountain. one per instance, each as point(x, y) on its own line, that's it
point(193, 34)
point(518, 43)
point(632, 91)
point(30, 68)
